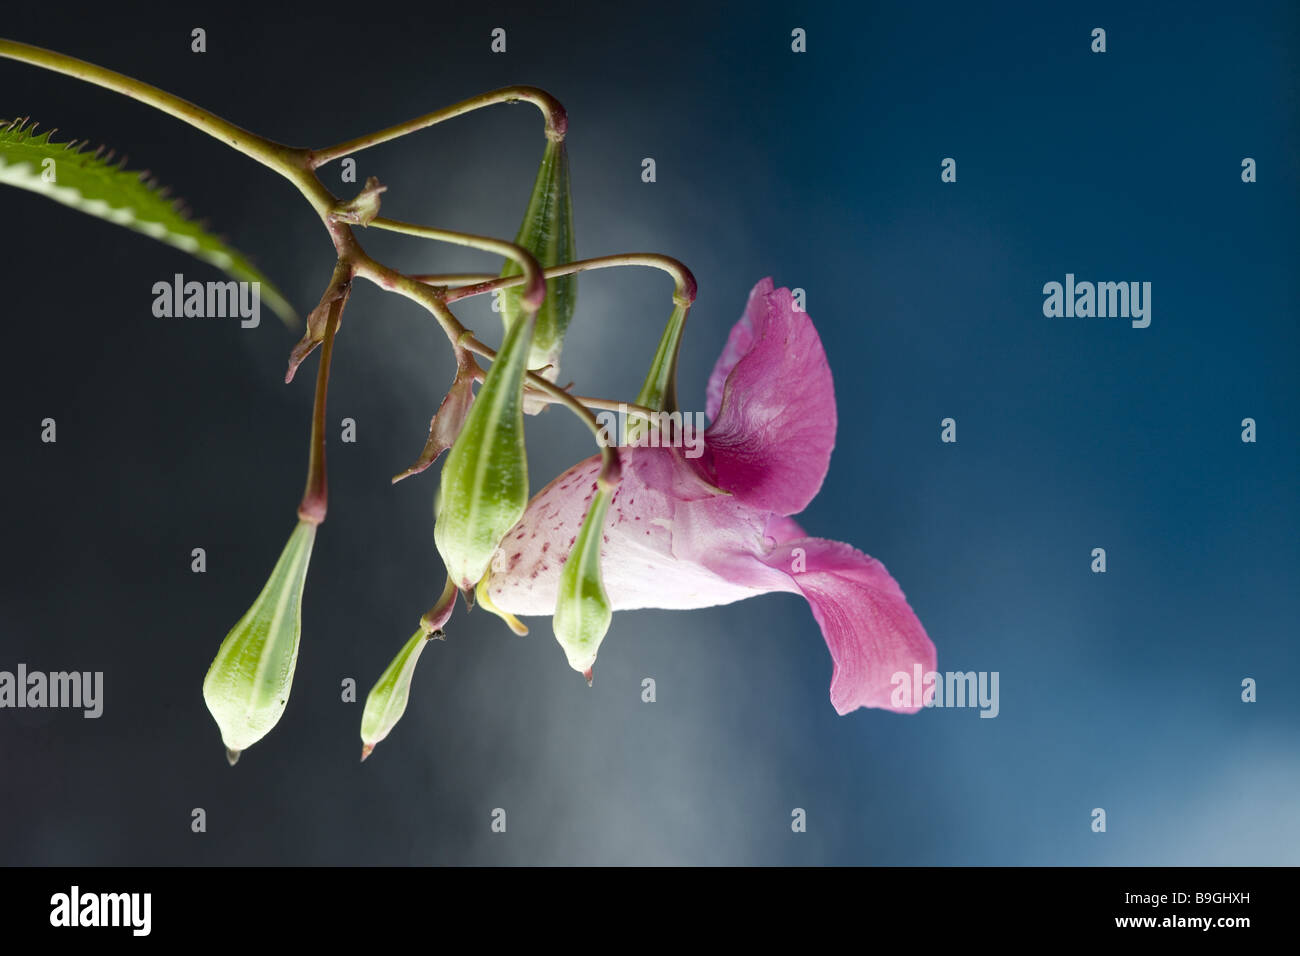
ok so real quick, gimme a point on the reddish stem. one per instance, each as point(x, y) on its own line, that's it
point(315, 499)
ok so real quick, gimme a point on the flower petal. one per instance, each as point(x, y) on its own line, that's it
point(771, 441)
point(740, 341)
point(870, 629)
point(638, 562)
point(670, 543)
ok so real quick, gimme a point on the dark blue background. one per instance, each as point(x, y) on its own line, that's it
point(821, 169)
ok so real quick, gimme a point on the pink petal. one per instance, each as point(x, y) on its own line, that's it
point(869, 628)
point(639, 566)
point(771, 441)
point(691, 549)
point(739, 342)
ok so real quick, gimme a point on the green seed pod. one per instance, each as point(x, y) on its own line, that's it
point(659, 391)
point(582, 610)
point(546, 232)
point(248, 684)
point(387, 699)
point(484, 488)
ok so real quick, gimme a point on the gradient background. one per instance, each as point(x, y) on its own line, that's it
point(1118, 691)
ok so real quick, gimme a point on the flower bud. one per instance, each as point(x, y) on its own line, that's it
point(547, 233)
point(484, 489)
point(582, 609)
point(248, 684)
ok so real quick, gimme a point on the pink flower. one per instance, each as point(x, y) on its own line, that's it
point(688, 533)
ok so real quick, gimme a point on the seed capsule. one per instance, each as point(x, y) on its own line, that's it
point(248, 684)
point(484, 489)
point(547, 233)
point(387, 700)
point(582, 608)
point(659, 392)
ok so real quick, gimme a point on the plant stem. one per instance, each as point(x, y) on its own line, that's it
point(315, 498)
point(682, 277)
point(610, 469)
point(428, 297)
point(532, 277)
point(445, 280)
point(556, 121)
point(287, 161)
point(298, 165)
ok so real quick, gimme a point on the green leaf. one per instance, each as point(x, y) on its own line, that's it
point(93, 183)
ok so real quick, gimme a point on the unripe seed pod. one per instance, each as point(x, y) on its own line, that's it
point(248, 684)
point(547, 233)
point(484, 489)
point(386, 702)
point(582, 608)
point(659, 392)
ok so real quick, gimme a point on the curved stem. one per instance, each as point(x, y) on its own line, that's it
point(285, 160)
point(445, 280)
point(298, 165)
point(608, 405)
point(682, 277)
point(532, 277)
point(610, 469)
point(381, 275)
point(460, 337)
point(557, 122)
